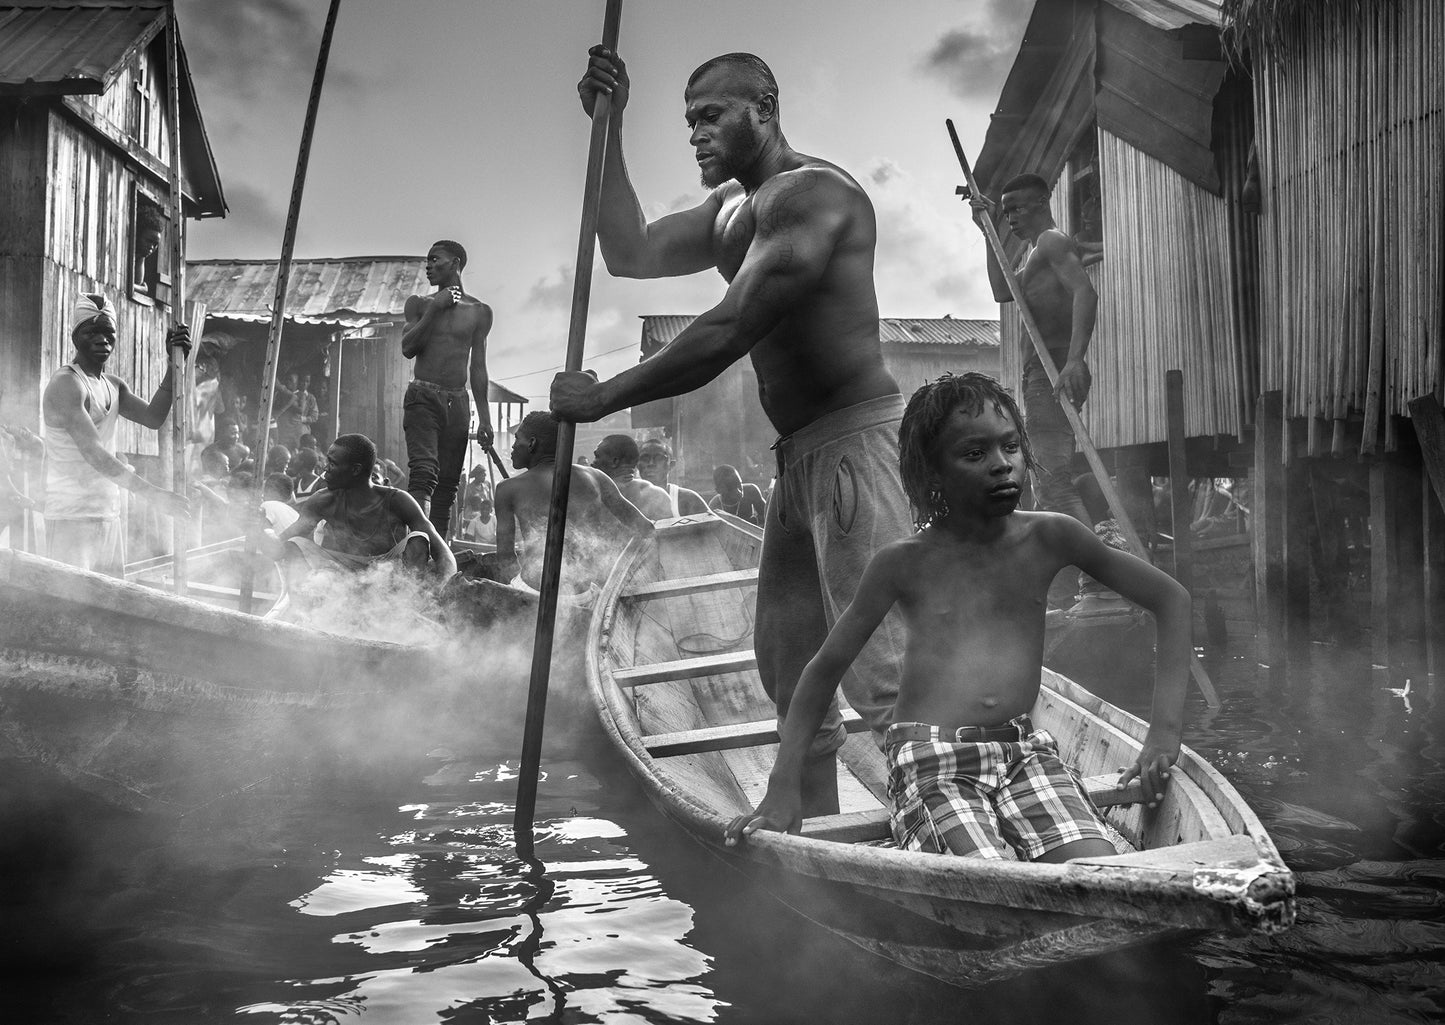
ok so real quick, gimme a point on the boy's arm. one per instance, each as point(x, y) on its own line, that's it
point(781, 809)
point(1062, 255)
point(1160, 594)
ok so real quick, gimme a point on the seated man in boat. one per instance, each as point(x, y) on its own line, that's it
point(655, 463)
point(616, 455)
point(366, 523)
point(598, 516)
point(737, 498)
point(968, 773)
point(83, 406)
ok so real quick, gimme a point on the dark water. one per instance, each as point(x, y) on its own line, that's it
point(315, 899)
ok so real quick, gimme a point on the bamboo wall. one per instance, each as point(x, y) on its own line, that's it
point(1166, 302)
point(1352, 115)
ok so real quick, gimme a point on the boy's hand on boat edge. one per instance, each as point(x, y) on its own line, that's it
point(1152, 771)
point(772, 814)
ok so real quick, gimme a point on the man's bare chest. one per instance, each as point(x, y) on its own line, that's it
point(733, 235)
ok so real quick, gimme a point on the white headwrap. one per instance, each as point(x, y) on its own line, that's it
point(88, 306)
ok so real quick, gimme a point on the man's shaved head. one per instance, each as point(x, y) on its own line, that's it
point(745, 67)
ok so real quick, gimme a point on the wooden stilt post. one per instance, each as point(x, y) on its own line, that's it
point(283, 277)
point(1181, 503)
point(180, 365)
point(337, 347)
point(1267, 536)
point(1076, 423)
point(1295, 530)
point(562, 476)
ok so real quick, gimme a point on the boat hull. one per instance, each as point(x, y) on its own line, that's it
point(697, 733)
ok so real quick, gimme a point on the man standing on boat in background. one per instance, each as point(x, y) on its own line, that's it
point(794, 236)
point(446, 333)
point(83, 477)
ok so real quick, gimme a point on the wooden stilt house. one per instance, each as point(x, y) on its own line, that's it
point(84, 191)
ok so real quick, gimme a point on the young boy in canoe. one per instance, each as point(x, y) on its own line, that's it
point(968, 772)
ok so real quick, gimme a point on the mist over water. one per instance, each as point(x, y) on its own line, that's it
point(329, 894)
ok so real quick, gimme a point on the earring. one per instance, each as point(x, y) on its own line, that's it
point(938, 503)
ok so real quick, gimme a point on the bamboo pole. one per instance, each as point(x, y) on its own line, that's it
point(179, 363)
point(283, 277)
point(562, 475)
point(1081, 433)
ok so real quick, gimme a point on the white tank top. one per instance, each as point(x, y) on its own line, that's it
point(672, 493)
point(74, 490)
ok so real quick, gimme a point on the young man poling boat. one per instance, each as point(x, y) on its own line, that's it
point(83, 477)
point(794, 236)
point(968, 772)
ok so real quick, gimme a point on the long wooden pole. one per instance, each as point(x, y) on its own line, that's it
point(283, 278)
point(179, 365)
point(1081, 433)
point(562, 475)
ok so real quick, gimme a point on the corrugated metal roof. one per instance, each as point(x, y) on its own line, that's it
point(1172, 14)
point(72, 47)
point(349, 291)
point(659, 329)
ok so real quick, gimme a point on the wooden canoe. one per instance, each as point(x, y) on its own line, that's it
point(672, 673)
point(123, 689)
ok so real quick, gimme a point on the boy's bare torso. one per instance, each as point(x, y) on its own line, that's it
point(975, 616)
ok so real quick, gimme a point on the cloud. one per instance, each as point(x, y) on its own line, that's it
point(927, 263)
point(553, 291)
point(975, 61)
point(253, 49)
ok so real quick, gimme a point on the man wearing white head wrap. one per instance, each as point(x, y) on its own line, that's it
point(83, 477)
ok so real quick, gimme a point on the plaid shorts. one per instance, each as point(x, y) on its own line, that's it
point(1002, 797)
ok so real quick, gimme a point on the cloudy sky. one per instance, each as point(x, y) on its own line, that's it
point(459, 119)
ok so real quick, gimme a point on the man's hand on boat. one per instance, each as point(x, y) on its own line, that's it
point(1151, 770)
point(777, 813)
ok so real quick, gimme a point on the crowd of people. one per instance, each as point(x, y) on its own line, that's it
point(896, 563)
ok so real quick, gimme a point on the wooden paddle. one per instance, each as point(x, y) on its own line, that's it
point(278, 304)
point(180, 376)
point(1081, 433)
point(562, 475)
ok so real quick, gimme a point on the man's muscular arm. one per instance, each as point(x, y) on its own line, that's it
point(677, 244)
point(477, 373)
point(421, 312)
point(1062, 255)
point(801, 215)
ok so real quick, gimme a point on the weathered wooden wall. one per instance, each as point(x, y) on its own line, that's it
point(374, 376)
point(1351, 155)
point(23, 190)
point(88, 248)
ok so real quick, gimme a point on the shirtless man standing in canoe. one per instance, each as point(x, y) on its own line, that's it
point(446, 333)
point(794, 236)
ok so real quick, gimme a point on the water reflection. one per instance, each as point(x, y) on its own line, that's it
point(327, 900)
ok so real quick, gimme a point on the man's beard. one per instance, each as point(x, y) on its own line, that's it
point(741, 141)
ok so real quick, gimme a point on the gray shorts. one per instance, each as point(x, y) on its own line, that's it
point(837, 500)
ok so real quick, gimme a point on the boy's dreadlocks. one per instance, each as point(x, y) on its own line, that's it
point(923, 420)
